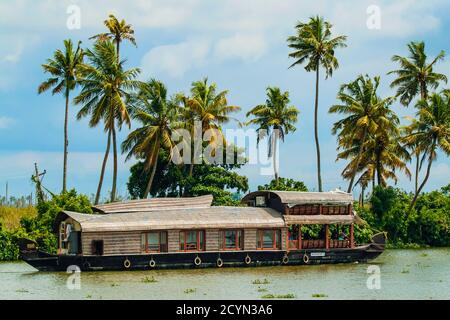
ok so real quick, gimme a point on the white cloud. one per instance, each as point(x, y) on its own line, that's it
point(398, 18)
point(175, 59)
point(242, 46)
point(6, 122)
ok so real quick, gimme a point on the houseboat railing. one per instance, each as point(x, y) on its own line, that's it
point(317, 244)
point(319, 209)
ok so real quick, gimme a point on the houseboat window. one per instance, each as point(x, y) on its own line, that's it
point(154, 241)
point(231, 239)
point(97, 247)
point(192, 240)
point(269, 239)
point(260, 201)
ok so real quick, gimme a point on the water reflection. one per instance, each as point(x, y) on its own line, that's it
point(405, 274)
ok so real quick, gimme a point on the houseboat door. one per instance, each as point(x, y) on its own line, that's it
point(74, 242)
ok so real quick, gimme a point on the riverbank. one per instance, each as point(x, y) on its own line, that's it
point(404, 274)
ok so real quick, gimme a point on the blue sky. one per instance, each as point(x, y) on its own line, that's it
point(240, 45)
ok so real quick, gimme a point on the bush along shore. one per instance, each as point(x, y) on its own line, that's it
point(387, 209)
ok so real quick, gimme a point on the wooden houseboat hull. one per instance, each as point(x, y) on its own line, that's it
point(46, 262)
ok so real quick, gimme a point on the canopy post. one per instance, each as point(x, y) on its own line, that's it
point(352, 232)
point(327, 236)
point(299, 236)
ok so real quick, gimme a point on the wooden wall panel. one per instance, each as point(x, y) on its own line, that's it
point(212, 240)
point(113, 242)
point(283, 238)
point(250, 239)
point(173, 239)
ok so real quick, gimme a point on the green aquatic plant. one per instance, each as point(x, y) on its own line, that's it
point(319, 295)
point(405, 271)
point(278, 296)
point(149, 280)
point(190, 290)
point(259, 281)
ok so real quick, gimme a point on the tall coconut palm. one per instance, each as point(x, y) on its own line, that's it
point(159, 116)
point(105, 85)
point(209, 107)
point(430, 131)
point(275, 119)
point(63, 69)
point(415, 78)
point(117, 32)
point(314, 45)
point(364, 111)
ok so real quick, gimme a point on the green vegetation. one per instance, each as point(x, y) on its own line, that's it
point(39, 227)
point(175, 180)
point(10, 217)
point(319, 295)
point(388, 210)
point(284, 184)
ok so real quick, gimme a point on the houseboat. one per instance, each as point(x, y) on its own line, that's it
point(270, 228)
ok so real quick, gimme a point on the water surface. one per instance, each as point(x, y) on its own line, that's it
point(405, 274)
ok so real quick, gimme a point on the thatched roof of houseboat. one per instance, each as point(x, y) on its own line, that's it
point(178, 218)
point(155, 204)
point(322, 219)
point(292, 198)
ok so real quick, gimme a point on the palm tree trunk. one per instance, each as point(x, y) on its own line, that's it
point(152, 176)
point(417, 172)
point(150, 181)
point(114, 182)
point(358, 159)
point(316, 134)
point(274, 154)
point(423, 96)
point(427, 175)
point(118, 50)
point(102, 173)
point(362, 195)
point(66, 142)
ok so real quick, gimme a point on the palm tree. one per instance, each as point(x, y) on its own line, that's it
point(274, 119)
point(118, 31)
point(430, 131)
point(416, 77)
point(63, 69)
point(105, 84)
point(313, 44)
point(209, 107)
point(159, 116)
point(364, 111)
